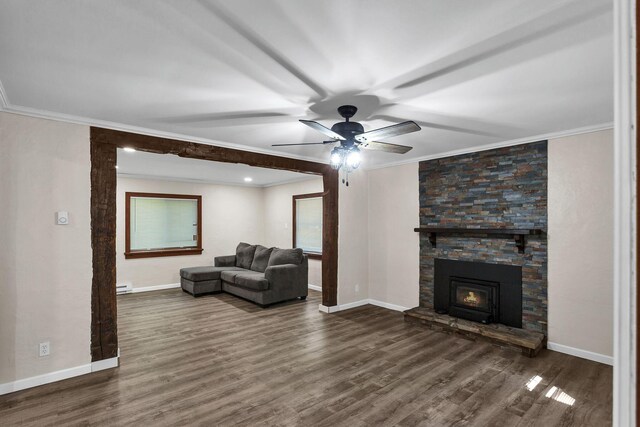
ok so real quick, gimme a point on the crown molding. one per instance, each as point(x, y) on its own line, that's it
point(70, 118)
point(492, 146)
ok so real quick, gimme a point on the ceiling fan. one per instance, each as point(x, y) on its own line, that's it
point(352, 138)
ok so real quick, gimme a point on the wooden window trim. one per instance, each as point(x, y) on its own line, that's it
point(134, 254)
point(311, 255)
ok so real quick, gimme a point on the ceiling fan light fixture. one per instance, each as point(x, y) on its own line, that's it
point(337, 158)
point(352, 137)
point(353, 158)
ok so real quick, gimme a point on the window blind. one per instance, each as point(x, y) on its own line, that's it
point(158, 223)
point(309, 224)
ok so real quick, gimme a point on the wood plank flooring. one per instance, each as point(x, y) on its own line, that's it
point(220, 360)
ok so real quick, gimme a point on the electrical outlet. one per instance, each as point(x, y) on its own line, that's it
point(357, 287)
point(45, 347)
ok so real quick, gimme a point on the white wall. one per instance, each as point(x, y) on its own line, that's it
point(394, 248)
point(230, 214)
point(581, 242)
point(353, 238)
point(45, 269)
point(278, 217)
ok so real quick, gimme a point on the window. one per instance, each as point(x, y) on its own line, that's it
point(162, 225)
point(307, 224)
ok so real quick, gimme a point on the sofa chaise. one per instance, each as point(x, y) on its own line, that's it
point(256, 273)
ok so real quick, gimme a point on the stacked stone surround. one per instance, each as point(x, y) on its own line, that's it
point(501, 188)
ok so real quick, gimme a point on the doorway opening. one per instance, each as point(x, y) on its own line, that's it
point(104, 147)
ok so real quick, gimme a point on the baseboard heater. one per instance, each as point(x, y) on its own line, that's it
point(124, 288)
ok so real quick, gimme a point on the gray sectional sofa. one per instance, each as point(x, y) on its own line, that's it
point(262, 275)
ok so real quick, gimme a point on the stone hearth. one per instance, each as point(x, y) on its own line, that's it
point(528, 343)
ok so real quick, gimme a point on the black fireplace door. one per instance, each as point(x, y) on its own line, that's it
point(474, 300)
point(478, 291)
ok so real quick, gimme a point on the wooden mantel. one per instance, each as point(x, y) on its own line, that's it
point(517, 234)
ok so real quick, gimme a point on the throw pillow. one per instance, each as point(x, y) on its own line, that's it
point(244, 255)
point(261, 258)
point(285, 256)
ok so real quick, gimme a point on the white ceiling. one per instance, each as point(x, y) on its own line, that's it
point(242, 73)
point(168, 167)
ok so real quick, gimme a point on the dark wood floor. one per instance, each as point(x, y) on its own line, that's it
point(219, 360)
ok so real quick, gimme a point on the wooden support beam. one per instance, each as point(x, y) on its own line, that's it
point(192, 150)
point(104, 144)
point(104, 313)
point(330, 238)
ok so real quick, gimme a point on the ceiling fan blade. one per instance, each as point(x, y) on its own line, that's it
point(389, 131)
point(325, 130)
point(385, 146)
point(303, 143)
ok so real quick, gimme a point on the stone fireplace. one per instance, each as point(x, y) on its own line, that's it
point(487, 192)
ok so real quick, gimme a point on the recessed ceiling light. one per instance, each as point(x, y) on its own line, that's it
point(129, 150)
point(248, 179)
point(116, 166)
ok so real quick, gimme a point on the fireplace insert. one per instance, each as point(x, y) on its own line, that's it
point(474, 300)
point(478, 291)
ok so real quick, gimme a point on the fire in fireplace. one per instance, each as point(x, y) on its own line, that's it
point(474, 299)
point(482, 292)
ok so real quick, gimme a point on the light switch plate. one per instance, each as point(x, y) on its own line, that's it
point(62, 218)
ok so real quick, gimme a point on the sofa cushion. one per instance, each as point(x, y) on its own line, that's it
point(199, 274)
point(230, 275)
point(252, 280)
point(285, 256)
point(261, 258)
point(244, 255)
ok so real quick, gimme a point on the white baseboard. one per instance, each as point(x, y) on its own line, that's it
point(354, 304)
point(327, 309)
point(584, 354)
point(390, 306)
point(155, 288)
point(45, 379)
point(336, 308)
point(60, 375)
point(342, 307)
point(315, 288)
point(101, 365)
